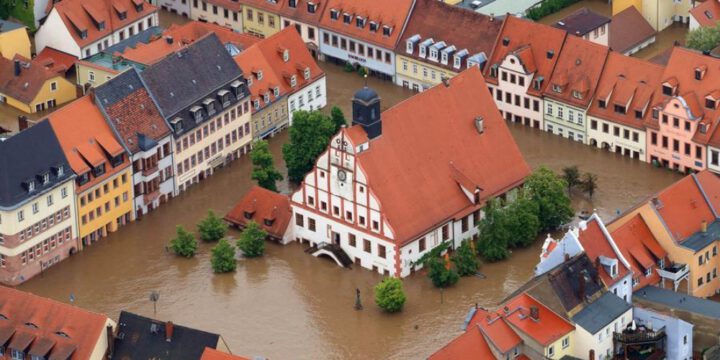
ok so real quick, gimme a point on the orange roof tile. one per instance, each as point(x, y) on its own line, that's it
point(707, 13)
point(534, 41)
point(177, 37)
point(84, 329)
point(416, 188)
point(262, 205)
point(86, 138)
point(469, 345)
point(33, 76)
point(80, 15)
point(496, 330)
point(577, 71)
point(637, 244)
point(301, 12)
point(711, 185)
point(267, 57)
point(548, 328)
point(212, 354)
point(54, 58)
point(596, 244)
point(393, 14)
point(683, 208)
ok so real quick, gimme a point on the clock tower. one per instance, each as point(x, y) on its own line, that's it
point(366, 111)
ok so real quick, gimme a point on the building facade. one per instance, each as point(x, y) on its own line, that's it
point(180, 7)
point(38, 223)
point(84, 29)
point(227, 13)
point(261, 17)
point(304, 15)
point(31, 86)
point(209, 115)
point(14, 40)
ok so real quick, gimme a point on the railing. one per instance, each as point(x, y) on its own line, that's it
point(640, 337)
point(675, 272)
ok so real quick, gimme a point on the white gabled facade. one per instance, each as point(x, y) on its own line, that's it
point(511, 93)
point(311, 97)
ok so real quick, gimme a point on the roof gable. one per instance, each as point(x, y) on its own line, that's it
point(390, 14)
point(577, 71)
point(268, 209)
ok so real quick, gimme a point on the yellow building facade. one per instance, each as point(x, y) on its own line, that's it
point(260, 22)
point(14, 41)
point(55, 91)
point(659, 13)
point(105, 206)
point(89, 73)
point(418, 75)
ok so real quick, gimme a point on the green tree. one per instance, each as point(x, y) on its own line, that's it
point(212, 228)
point(495, 234)
point(589, 184)
point(547, 190)
point(252, 240)
point(465, 259)
point(440, 273)
point(704, 38)
point(184, 243)
point(522, 221)
point(389, 295)
point(571, 175)
point(264, 171)
point(223, 257)
point(310, 134)
point(338, 118)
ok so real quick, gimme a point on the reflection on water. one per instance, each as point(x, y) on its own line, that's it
point(290, 305)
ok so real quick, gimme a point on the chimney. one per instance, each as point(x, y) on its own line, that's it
point(169, 39)
point(168, 331)
point(480, 124)
point(534, 313)
point(110, 339)
point(703, 226)
point(581, 287)
point(591, 355)
point(18, 67)
point(445, 81)
point(22, 122)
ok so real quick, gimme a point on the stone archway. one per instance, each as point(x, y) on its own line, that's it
point(593, 142)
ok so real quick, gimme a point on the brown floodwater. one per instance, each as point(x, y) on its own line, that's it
point(290, 305)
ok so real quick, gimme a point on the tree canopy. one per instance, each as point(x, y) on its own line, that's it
point(184, 243)
point(310, 135)
point(212, 227)
point(465, 259)
point(338, 118)
point(389, 295)
point(264, 171)
point(547, 190)
point(252, 240)
point(704, 38)
point(223, 257)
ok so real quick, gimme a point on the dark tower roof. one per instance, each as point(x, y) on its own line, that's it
point(366, 95)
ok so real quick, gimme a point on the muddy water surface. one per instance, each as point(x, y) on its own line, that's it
point(289, 305)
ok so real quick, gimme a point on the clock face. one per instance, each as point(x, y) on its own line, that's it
point(342, 175)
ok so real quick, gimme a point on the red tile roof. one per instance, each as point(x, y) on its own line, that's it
point(469, 345)
point(496, 330)
point(393, 14)
point(212, 354)
point(683, 208)
point(50, 57)
point(33, 75)
point(430, 19)
point(707, 13)
point(87, 140)
point(629, 29)
point(301, 13)
point(680, 70)
point(81, 15)
point(711, 186)
point(531, 42)
point(267, 57)
point(630, 82)
point(177, 37)
point(596, 244)
point(417, 189)
point(577, 71)
point(56, 328)
point(262, 205)
point(640, 248)
point(548, 328)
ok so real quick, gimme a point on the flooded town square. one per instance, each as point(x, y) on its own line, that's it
point(290, 305)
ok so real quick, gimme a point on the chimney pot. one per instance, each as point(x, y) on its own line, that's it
point(480, 124)
point(168, 331)
point(703, 226)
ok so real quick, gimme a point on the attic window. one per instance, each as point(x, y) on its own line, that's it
point(359, 22)
point(292, 3)
point(576, 94)
point(457, 61)
point(286, 55)
point(373, 26)
point(101, 25)
point(668, 90)
point(122, 15)
point(602, 104)
point(62, 334)
point(209, 106)
point(259, 75)
point(31, 325)
point(30, 185)
point(638, 114)
point(423, 51)
point(269, 222)
point(266, 98)
point(387, 30)
point(196, 113)
point(3, 317)
point(710, 103)
point(177, 124)
point(236, 87)
point(83, 34)
point(45, 178)
point(620, 109)
point(306, 73)
point(99, 170)
point(311, 7)
point(293, 80)
point(139, 6)
point(557, 88)
point(59, 171)
point(256, 104)
point(494, 70)
point(249, 214)
point(276, 91)
point(347, 18)
point(537, 83)
point(334, 14)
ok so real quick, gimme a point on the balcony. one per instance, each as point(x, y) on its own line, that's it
point(151, 170)
point(150, 197)
point(674, 272)
point(640, 343)
point(639, 337)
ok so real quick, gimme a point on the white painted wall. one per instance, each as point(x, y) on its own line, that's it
point(679, 333)
point(304, 30)
point(311, 97)
point(627, 145)
point(53, 33)
point(511, 65)
point(181, 7)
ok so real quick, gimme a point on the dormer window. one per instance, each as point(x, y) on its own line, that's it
point(236, 88)
point(209, 106)
point(139, 6)
point(306, 73)
point(268, 222)
point(30, 185)
point(359, 22)
point(249, 214)
point(613, 270)
point(256, 104)
point(347, 18)
point(710, 103)
point(266, 97)
point(311, 7)
point(703, 128)
point(423, 51)
point(197, 114)
point(122, 15)
point(224, 97)
point(259, 75)
point(557, 88)
point(334, 14)
point(116, 161)
point(60, 171)
point(576, 94)
point(276, 91)
point(293, 80)
point(620, 109)
point(83, 34)
point(177, 124)
point(286, 55)
point(99, 170)
point(457, 61)
point(433, 54)
point(410, 47)
point(668, 90)
point(373, 26)
point(638, 114)
point(494, 70)
point(444, 58)
point(700, 72)
point(537, 83)
point(45, 178)
point(387, 30)
point(83, 179)
point(602, 104)
point(101, 26)
point(292, 3)
point(249, 81)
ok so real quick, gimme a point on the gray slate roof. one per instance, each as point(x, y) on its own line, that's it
point(679, 301)
point(601, 312)
point(26, 156)
point(6, 26)
point(582, 22)
point(190, 74)
point(701, 240)
point(118, 88)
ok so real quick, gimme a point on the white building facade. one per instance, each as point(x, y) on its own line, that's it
point(180, 7)
point(511, 94)
point(616, 137)
point(341, 48)
point(565, 120)
point(312, 96)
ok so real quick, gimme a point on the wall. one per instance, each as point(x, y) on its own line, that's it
point(679, 333)
point(511, 97)
point(676, 109)
point(629, 141)
point(53, 33)
point(620, 5)
point(312, 97)
point(115, 204)
point(270, 119)
point(385, 64)
point(601, 341)
point(704, 329)
point(102, 344)
point(203, 11)
point(64, 93)
point(418, 75)
point(260, 22)
point(102, 75)
point(15, 42)
point(599, 35)
point(309, 33)
point(165, 166)
point(565, 120)
point(181, 7)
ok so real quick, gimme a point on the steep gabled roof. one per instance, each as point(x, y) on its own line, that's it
point(577, 72)
point(629, 82)
point(629, 29)
point(535, 41)
point(707, 13)
point(683, 208)
point(393, 14)
point(581, 22)
point(545, 330)
point(495, 329)
point(262, 206)
point(56, 329)
point(598, 245)
point(212, 354)
point(430, 19)
point(81, 15)
point(131, 111)
point(601, 312)
point(640, 248)
point(469, 345)
point(22, 160)
point(417, 189)
point(33, 76)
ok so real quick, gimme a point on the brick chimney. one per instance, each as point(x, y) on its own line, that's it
point(168, 331)
point(534, 313)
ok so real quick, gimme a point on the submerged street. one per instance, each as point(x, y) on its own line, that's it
point(289, 305)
